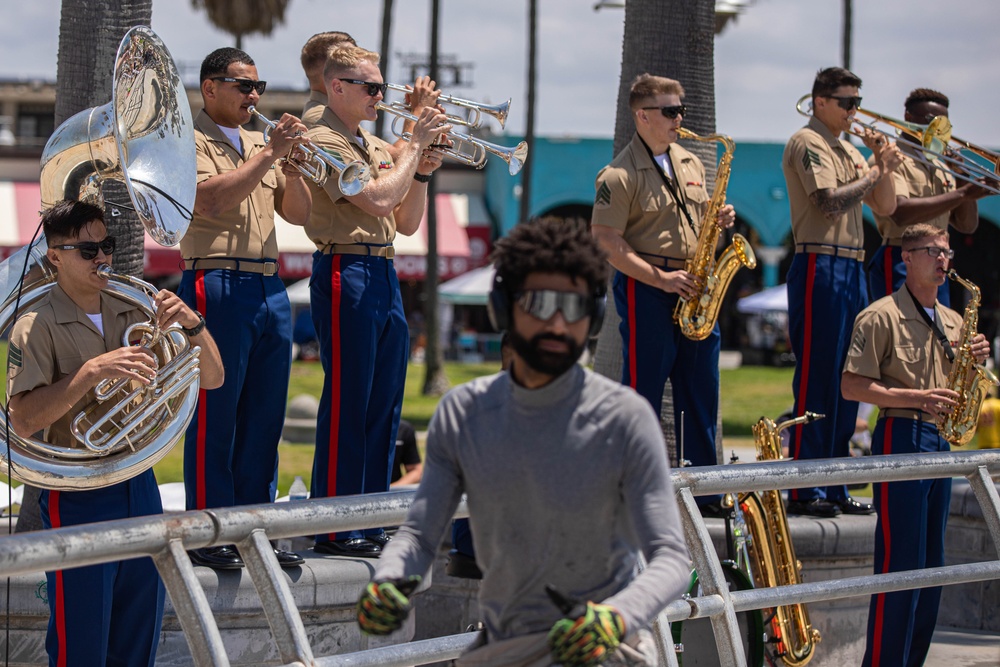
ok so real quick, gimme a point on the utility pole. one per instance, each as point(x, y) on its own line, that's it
point(846, 37)
point(384, 55)
point(529, 132)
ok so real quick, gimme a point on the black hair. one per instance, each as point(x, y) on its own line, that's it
point(921, 95)
point(67, 218)
point(217, 62)
point(830, 79)
point(551, 245)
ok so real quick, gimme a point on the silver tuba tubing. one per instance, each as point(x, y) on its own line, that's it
point(126, 438)
point(478, 149)
point(353, 175)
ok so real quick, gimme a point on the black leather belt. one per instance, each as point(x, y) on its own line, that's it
point(663, 262)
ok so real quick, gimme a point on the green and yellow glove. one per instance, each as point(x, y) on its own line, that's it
point(384, 606)
point(589, 639)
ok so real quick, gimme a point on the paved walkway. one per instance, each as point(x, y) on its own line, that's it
point(964, 648)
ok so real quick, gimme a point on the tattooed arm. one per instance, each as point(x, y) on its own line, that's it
point(875, 188)
point(834, 202)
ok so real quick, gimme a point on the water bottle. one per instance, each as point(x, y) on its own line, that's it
point(298, 490)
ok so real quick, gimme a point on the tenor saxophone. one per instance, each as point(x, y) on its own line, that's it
point(696, 317)
point(968, 378)
point(772, 558)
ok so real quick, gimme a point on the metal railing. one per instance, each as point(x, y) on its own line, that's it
point(167, 539)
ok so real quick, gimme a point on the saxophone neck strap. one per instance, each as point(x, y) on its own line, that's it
point(935, 327)
point(670, 185)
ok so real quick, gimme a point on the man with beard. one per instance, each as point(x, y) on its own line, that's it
point(565, 472)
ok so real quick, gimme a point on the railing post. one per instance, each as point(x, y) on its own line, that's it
point(989, 501)
point(712, 581)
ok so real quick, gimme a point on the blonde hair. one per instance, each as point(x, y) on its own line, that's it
point(344, 58)
point(317, 48)
point(647, 86)
point(919, 233)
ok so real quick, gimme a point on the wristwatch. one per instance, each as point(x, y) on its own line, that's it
point(422, 178)
point(196, 329)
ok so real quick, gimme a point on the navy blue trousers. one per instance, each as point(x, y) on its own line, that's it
point(107, 614)
point(654, 349)
point(909, 535)
point(887, 273)
point(825, 295)
point(364, 344)
point(231, 445)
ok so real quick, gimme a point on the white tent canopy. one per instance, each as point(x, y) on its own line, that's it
point(468, 289)
point(773, 299)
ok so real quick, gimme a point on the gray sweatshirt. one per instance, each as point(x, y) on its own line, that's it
point(565, 484)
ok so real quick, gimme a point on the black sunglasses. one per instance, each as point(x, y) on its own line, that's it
point(846, 102)
point(244, 85)
point(669, 112)
point(88, 249)
point(373, 87)
point(542, 304)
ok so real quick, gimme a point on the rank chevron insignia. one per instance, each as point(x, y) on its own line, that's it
point(603, 198)
point(809, 158)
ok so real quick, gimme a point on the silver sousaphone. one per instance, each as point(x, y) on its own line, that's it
point(144, 138)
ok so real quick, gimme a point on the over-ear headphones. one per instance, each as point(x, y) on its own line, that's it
point(501, 302)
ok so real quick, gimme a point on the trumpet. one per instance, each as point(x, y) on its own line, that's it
point(475, 109)
point(935, 138)
point(467, 149)
point(317, 163)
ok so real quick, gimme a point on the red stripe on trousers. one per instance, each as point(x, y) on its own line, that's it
point(202, 436)
point(800, 407)
point(630, 296)
point(60, 605)
point(883, 513)
point(331, 469)
point(887, 270)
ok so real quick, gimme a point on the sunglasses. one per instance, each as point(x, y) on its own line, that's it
point(244, 85)
point(543, 304)
point(669, 112)
point(847, 102)
point(934, 251)
point(88, 249)
point(373, 87)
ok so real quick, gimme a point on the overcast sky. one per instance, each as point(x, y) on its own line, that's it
point(764, 61)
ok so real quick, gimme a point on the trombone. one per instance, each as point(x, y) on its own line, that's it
point(935, 139)
point(466, 149)
point(317, 163)
point(475, 109)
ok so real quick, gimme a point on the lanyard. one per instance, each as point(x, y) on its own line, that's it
point(935, 327)
point(670, 185)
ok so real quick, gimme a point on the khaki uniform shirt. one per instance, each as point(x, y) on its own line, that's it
point(632, 198)
point(913, 179)
point(894, 345)
point(55, 340)
point(814, 160)
point(245, 231)
point(313, 109)
point(334, 219)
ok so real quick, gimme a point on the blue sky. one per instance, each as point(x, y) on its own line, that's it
point(764, 62)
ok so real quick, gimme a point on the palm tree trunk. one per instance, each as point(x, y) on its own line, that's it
point(435, 381)
point(89, 35)
point(673, 38)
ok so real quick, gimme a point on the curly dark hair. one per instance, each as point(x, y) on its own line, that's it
point(551, 245)
point(921, 95)
point(217, 62)
point(66, 218)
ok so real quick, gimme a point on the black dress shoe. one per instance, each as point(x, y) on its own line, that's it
point(217, 558)
point(714, 510)
point(288, 558)
point(382, 539)
point(462, 566)
point(357, 547)
point(852, 506)
point(815, 507)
